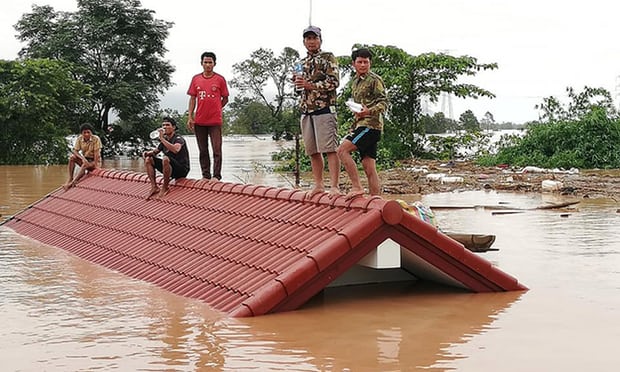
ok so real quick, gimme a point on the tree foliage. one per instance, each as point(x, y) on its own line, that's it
point(114, 46)
point(488, 121)
point(579, 105)
point(459, 145)
point(266, 78)
point(410, 78)
point(39, 103)
point(131, 137)
point(583, 134)
point(247, 116)
point(438, 123)
point(469, 122)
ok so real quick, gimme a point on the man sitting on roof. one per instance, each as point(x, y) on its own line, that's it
point(175, 160)
point(86, 153)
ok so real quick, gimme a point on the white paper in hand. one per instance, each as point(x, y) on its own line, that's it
point(354, 106)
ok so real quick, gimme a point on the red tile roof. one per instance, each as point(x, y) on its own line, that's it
point(244, 249)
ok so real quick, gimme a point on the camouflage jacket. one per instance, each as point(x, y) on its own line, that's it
point(320, 69)
point(369, 90)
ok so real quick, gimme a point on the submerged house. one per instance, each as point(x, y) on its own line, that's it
point(249, 250)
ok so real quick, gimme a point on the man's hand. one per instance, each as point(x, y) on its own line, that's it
point(300, 83)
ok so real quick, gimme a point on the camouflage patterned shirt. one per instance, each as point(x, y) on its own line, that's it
point(320, 69)
point(369, 90)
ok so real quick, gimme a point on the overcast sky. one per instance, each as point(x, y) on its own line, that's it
point(541, 46)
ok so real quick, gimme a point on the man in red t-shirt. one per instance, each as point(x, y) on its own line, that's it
point(208, 96)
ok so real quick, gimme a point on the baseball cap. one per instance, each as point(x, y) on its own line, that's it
point(312, 29)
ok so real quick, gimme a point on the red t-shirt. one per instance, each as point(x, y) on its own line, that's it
point(208, 92)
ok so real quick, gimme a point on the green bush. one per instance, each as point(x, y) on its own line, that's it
point(590, 142)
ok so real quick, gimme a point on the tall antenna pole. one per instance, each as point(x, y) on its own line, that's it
point(446, 98)
point(310, 13)
point(617, 88)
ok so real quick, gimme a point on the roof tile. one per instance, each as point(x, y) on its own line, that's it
point(244, 249)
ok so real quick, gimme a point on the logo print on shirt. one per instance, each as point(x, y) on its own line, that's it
point(202, 94)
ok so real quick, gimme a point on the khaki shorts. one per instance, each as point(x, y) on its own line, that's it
point(320, 133)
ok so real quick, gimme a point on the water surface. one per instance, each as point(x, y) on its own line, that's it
point(61, 313)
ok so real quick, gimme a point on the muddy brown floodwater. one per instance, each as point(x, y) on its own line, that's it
point(61, 313)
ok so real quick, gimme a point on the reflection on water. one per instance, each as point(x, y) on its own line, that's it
point(68, 313)
point(381, 328)
point(62, 313)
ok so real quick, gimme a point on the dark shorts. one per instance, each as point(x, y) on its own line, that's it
point(178, 170)
point(365, 139)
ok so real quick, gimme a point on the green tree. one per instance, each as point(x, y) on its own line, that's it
point(580, 104)
point(247, 116)
point(40, 103)
point(583, 134)
point(438, 123)
point(488, 121)
point(469, 122)
point(410, 78)
point(261, 74)
point(114, 46)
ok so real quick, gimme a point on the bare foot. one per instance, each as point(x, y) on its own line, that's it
point(334, 193)
point(154, 190)
point(310, 194)
point(354, 194)
point(163, 192)
point(68, 185)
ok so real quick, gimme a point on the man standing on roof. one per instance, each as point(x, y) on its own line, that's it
point(86, 153)
point(208, 95)
point(175, 160)
point(318, 85)
point(368, 90)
